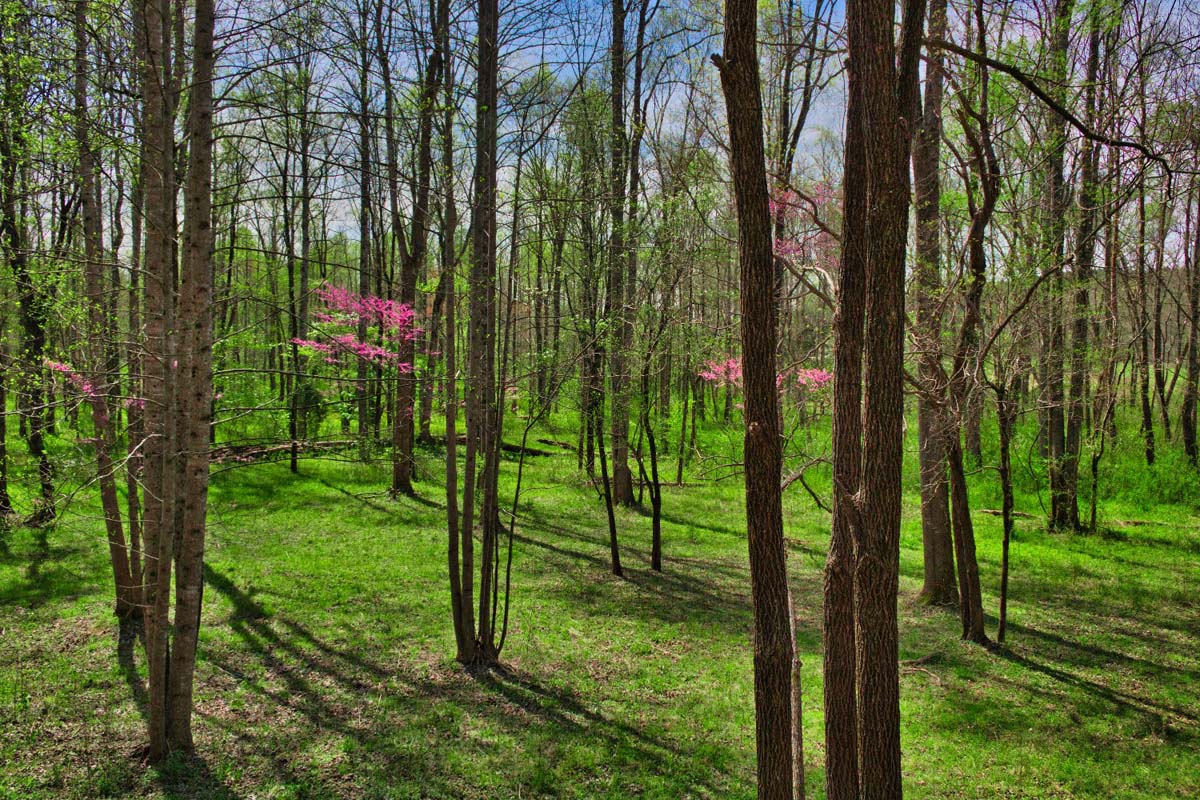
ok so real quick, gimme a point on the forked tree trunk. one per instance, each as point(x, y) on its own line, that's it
point(158, 368)
point(863, 721)
point(461, 549)
point(483, 405)
point(195, 366)
point(964, 391)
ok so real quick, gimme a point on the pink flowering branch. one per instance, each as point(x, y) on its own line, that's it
point(80, 383)
point(728, 372)
point(394, 321)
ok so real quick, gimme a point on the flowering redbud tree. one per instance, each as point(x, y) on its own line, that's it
point(800, 384)
point(337, 338)
point(804, 242)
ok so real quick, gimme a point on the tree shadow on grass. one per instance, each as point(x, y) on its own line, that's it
point(1117, 698)
point(1078, 653)
point(687, 590)
point(52, 572)
point(384, 717)
point(372, 504)
point(672, 596)
point(131, 632)
point(190, 778)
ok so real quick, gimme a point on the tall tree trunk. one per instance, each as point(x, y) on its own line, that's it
point(841, 718)
point(1054, 210)
point(483, 428)
point(1085, 251)
point(128, 595)
point(882, 93)
point(938, 588)
point(964, 391)
point(618, 311)
point(195, 364)
point(1143, 327)
point(31, 311)
point(364, 226)
point(461, 560)
point(159, 368)
point(1191, 388)
point(413, 248)
point(780, 767)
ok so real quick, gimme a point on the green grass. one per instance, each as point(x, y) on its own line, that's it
point(326, 659)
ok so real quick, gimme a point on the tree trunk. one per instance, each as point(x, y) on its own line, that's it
point(1054, 211)
point(5, 501)
point(780, 771)
point(483, 428)
point(1192, 387)
point(618, 312)
point(30, 378)
point(128, 594)
point(841, 725)
point(882, 93)
point(1085, 250)
point(1006, 411)
point(938, 588)
point(195, 403)
point(159, 372)
point(364, 228)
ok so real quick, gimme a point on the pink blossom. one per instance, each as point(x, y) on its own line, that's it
point(81, 384)
point(723, 373)
point(728, 372)
point(788, 248)
point(822, 193)
point(393, 322)
point(391, 316)
point(784, 205)
point(813, 379)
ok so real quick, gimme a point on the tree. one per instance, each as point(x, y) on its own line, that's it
point(158, 381)
point(980, 167)
point(195, 365)
point(939, 586)
point(16, 126)
point(126, 559)
point(178, 381)
point(862, 574)
point(1063, 512)
point(618, 310)
point(483, 393)
point(776, 668)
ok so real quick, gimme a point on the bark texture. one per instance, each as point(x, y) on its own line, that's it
point(780, 772)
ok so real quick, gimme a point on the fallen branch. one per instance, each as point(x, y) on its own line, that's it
point(998, 513)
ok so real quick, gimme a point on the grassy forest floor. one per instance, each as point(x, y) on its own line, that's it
point(326, 661)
